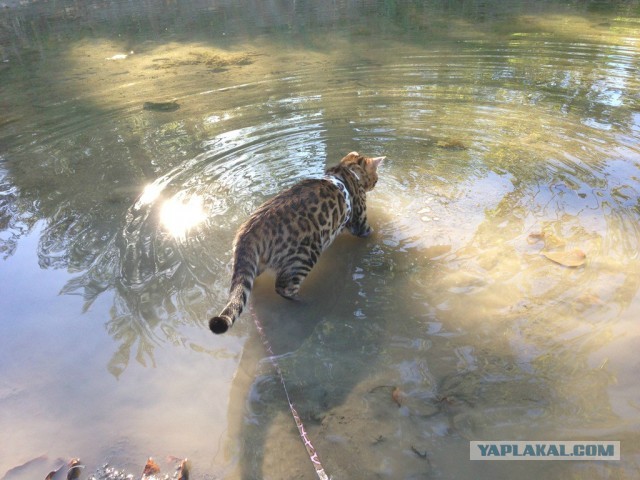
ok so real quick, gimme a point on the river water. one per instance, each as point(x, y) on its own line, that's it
point(511, 134)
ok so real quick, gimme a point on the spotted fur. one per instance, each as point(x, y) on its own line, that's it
point(289, 232)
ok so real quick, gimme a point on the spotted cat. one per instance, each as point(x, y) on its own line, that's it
point(289, 232)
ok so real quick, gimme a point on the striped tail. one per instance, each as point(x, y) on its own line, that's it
point(241, 284)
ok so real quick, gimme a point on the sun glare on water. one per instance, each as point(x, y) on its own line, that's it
point(150, 193)
point(178, 214)
point(181, 213)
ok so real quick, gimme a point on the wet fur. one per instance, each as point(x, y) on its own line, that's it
point(289, 232)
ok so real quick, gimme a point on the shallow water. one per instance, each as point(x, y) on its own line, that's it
point(508, 131)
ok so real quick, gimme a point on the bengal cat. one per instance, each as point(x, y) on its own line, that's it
point(289, 232)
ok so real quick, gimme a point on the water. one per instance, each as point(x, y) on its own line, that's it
point(499, 123)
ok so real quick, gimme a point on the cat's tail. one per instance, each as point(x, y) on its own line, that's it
point(244, 273)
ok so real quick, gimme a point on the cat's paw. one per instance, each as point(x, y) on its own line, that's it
point(365, 232)
point(362, 231)
point(290, 292)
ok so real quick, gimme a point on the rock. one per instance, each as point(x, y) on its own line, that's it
point(161, 106)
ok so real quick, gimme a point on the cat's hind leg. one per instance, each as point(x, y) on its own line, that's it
point(290, 277)
point(288, 281)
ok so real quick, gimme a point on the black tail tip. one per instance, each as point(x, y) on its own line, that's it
point(219, 325)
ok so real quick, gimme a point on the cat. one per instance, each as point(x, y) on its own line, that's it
point(289, 232)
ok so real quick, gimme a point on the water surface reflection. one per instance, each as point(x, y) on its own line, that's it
point(501, 125)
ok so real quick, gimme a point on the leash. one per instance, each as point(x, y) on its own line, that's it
point(311, 451)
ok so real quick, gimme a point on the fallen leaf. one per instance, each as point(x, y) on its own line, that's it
point(151, 468)
point(75, 467)
point(184, 470)
point(53, 473)
point(572, 258)
point(20, 469)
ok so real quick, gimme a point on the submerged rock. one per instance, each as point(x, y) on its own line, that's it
point(451, 144)
point(161, 106)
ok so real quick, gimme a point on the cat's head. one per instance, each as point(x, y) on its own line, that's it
point(364, 167)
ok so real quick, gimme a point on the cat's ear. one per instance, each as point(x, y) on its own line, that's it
point(350, 157)
point(377, 161)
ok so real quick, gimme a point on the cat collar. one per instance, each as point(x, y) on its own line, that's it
point(347, 198)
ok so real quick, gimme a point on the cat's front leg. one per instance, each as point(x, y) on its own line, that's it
point(358, 224)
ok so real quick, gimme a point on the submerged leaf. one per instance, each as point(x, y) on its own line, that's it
point(52, 474)
point(590, 300)
point(535, 237)
point(572, 258)
point(397, 396)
